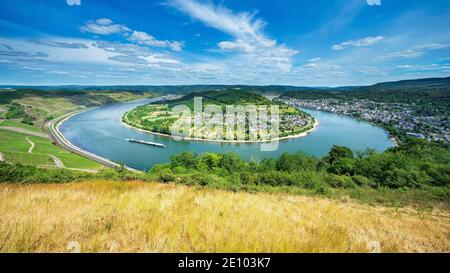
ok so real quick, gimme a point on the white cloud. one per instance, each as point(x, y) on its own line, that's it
point(57, 72)
point(313, 60)
point(73, 2)
point(143, 38)
point(246, 30)
point(30, 68)
point(310, 65)
point(414, 52)
point(61, 44)
point(104, 26)
point(238, 45)
point(240, 25)
point(104, 21)
point(374, 2)
point(401, 54)
point(426, 67)
point(432, 46)
point(365, 42)
point(134, 54)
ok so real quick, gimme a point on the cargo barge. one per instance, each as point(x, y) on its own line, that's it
point(146, 143)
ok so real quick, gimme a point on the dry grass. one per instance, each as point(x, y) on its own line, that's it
point(150, 217)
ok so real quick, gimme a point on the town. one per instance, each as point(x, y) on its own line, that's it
point(400, 116)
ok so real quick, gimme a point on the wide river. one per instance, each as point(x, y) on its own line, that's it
point(100, 131)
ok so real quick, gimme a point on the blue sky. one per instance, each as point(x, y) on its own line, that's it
point(157, 42)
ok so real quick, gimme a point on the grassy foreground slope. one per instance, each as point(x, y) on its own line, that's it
point(104, 216)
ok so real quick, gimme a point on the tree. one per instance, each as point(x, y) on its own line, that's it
point(231, 162)
point(185, 159)
point(295, 162)
point(211, 160)
point(338, 152)
point(286, 163)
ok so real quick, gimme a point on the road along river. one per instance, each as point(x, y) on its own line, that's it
point(101, 132)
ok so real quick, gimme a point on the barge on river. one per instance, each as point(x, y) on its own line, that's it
point(146, 143)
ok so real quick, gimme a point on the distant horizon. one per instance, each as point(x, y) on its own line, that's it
point(174, 85)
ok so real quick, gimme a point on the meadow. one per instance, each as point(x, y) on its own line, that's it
point(106, 216)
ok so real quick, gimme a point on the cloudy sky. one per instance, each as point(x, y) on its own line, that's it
point(290, 42)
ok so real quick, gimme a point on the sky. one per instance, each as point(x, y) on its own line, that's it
point(255, 42)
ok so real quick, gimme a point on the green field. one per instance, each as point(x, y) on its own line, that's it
point(18, 124)
point(15, 148)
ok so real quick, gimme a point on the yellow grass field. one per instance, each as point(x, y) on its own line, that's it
point(104, 216)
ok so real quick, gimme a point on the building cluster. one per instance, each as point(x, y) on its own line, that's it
point(400, 116)
point(289, 122)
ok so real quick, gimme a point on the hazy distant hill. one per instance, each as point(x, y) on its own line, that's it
point(438, 85)
point(434, 90)
point(430, 83)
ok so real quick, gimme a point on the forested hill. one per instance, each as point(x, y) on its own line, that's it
point(433, 90)
point(430, 83)
point(226, 97)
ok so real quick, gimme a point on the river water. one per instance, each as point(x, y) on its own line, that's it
point(100, 131)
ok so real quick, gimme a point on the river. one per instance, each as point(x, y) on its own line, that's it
point(100, 131)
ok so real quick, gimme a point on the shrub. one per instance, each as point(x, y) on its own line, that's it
point(339, 181)
point(275, 178)
point(247, 178)
point(184, 159)
point(166, 176)
point(361, 181)
point(295, 162)
point(27, 120)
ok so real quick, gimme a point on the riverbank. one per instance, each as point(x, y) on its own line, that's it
point(59, 139)
point(394, 138)
point(315, 125)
